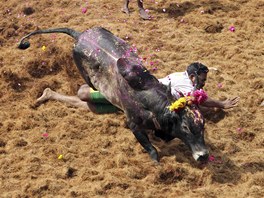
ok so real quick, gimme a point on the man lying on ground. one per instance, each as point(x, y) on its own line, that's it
point(182, 84)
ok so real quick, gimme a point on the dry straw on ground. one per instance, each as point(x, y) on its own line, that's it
point(100, 157)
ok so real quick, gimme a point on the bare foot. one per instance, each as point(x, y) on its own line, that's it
point(144, 15)
point(47, 94)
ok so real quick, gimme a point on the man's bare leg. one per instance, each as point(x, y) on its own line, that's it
point(49, 94)
point(125, 7)
point(143, 14)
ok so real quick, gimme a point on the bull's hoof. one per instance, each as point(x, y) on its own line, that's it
point(156, 163)
point(154, 156)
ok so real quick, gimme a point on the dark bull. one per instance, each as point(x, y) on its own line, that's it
point(110, 65)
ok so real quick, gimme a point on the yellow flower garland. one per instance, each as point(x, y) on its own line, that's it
point(178, 104)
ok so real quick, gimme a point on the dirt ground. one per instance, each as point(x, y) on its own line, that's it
point(100, 157)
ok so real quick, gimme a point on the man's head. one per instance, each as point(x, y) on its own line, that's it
point(197, 73)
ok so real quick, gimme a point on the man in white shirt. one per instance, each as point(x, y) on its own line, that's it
point(182, 84)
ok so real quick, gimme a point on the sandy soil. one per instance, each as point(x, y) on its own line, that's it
point(100, 156)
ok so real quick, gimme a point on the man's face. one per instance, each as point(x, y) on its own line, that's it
point(201, 80)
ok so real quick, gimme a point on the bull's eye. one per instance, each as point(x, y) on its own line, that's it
point(185, 128)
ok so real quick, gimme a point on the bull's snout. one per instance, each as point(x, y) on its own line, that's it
point(203, 158)
point(201, 155)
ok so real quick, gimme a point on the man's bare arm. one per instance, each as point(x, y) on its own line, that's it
point(226, 104)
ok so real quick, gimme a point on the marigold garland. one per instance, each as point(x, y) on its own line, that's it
point(178, 104)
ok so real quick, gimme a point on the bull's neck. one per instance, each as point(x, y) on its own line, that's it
point(162, 108)
point(156, 101)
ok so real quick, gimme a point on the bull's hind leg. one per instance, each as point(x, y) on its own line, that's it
point(78, 62)
point(143, 139)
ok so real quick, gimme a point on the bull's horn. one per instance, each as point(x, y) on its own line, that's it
point(168, 93)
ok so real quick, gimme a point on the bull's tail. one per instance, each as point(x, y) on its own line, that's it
point(25, 44)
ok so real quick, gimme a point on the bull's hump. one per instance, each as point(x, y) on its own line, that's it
point(101, 40)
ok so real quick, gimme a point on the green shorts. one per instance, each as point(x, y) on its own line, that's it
point(105, 108)
point(97, 97)
point(101, 104)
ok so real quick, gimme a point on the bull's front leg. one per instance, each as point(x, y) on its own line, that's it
point(143, 139)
